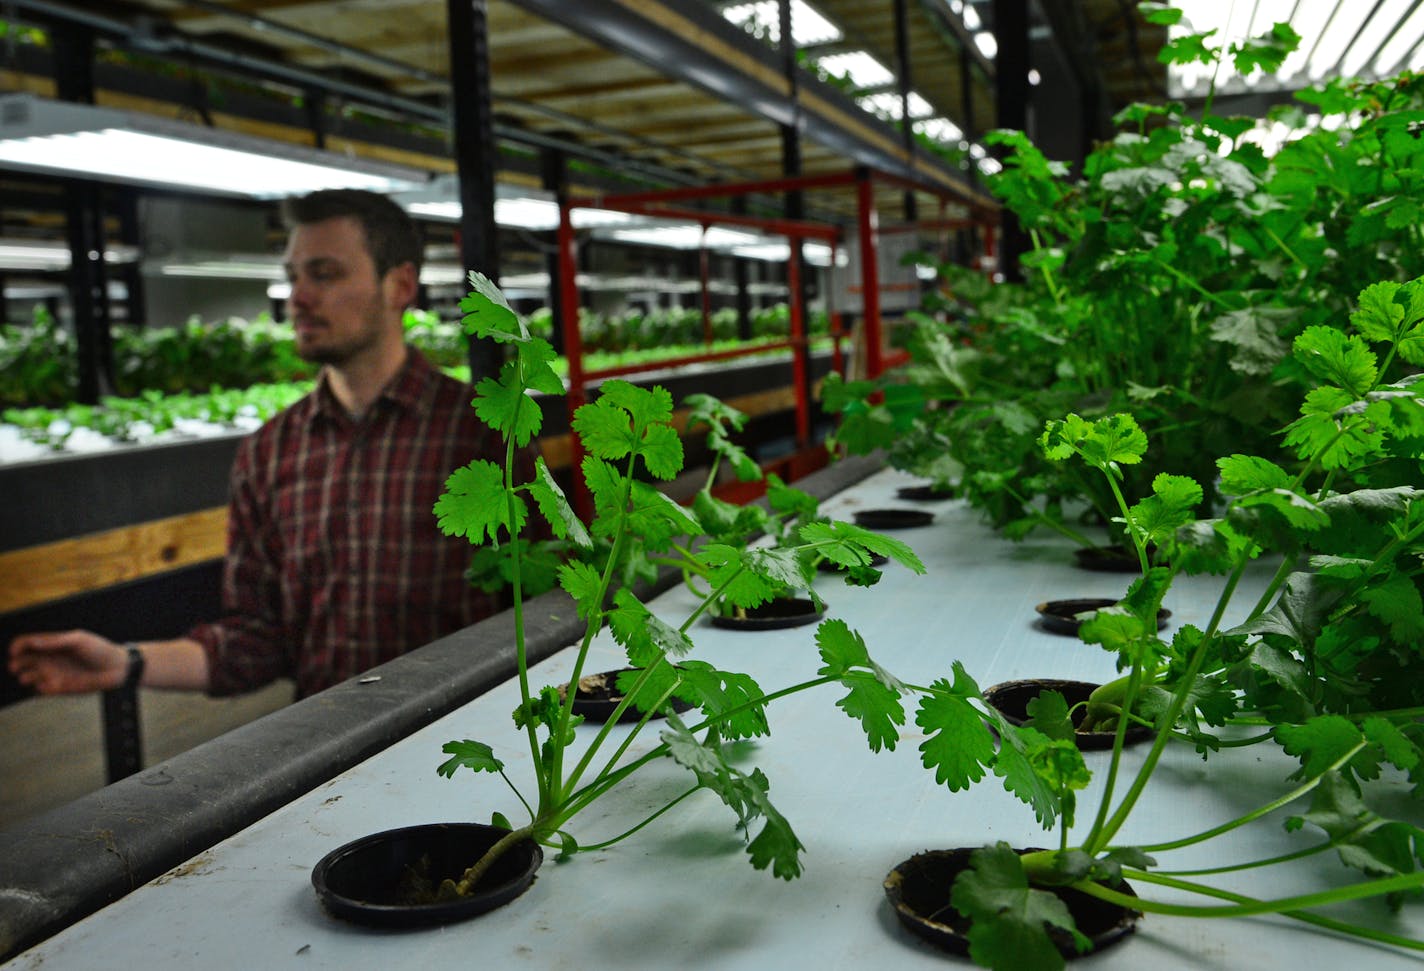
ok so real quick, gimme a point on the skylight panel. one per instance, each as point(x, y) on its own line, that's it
point(1337, 38)
point(941, 129)
point(863, 70)
point(808, 26)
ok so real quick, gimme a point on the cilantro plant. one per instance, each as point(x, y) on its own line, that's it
point(788, 510)
point(628, 437)
point(1327, 664)
point(1231, 253)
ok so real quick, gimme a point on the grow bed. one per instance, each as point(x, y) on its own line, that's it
point(681, 894)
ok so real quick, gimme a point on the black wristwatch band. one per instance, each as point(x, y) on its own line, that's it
point(134, 675)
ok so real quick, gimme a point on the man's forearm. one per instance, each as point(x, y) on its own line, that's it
point(178, 664)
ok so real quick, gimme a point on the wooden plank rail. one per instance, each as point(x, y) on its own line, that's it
point(52, 571)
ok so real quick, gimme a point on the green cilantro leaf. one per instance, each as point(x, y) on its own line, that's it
point(1337, 358)
point(470, 755)
point(582, 582)
point(646, 638)
point(474, 504)
point(1008, 917)
point(555, 508)
point(958, 745)
point(488, 313)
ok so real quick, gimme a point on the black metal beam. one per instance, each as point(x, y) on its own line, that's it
point(1012, 91)
point(688, 55)
point(474, 156)
point(84, 220)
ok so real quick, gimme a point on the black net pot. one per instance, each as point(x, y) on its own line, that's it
point(1066, 616)
point(365, 880)
point(775, 614)
point(919, 891)
point(1011, 699)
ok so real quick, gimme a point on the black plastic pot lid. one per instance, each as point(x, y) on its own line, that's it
point(598, 696)
point(893, 518)
point(925, 493)
point(366, 880)
point(1066, 616)
point(773, 615)
point(1011, 698)
point(919, 890)
point(1108, 559)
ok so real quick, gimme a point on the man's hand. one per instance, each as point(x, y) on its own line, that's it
point(67, 662)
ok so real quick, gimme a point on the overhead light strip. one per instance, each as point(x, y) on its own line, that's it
point(77, 140)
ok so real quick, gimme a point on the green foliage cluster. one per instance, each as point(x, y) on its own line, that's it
point(152, 412)
point(1167, 280)
point(629, 444)
point(1327, 664)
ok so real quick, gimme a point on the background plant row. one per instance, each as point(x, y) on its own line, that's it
point(38, 361)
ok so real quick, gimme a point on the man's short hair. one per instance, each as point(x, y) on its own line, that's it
point(392, 237)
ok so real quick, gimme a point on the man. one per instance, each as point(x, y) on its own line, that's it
point(334, 560)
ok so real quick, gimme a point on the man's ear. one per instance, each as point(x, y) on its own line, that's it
point(402, 286)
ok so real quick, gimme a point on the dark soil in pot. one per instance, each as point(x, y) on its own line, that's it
point(1065, 616)
point(773, 615)
point(925, 493)
point(598, 696)
point(919, 890)
point(893, 518)
point(376, 880)
point(1011, 698)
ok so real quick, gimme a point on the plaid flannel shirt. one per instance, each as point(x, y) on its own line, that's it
point(334, 561)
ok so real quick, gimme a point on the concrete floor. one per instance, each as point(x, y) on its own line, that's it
point(52, 749)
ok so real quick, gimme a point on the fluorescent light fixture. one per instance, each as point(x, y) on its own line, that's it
point(84, 141)
point(25, 254)
point(514, 207)
point(687, 236)
point(817, 254)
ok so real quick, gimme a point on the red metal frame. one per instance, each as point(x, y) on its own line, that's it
point(658, 204)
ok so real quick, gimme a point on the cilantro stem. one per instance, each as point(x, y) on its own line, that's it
point(595, 624)
point(612, 720)
point(471, 877)
point(1260, 811)
point(622, 836)
point(542, 774)
point(1169, 717)
point(710, 599)
point(1247, 906)
point(1193, 284)
point(1254, 864)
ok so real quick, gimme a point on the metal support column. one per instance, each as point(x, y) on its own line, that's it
point(555, 173)
point(1012, 91)
point(475, 156)
point(904, 79)
point(84, 217)
point(869, 224)
point(795, 205)
point(566, 322)
point(126, 201)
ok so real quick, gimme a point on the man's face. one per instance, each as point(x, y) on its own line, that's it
point(340, 310)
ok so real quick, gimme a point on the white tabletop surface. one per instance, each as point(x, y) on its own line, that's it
point(681, 892)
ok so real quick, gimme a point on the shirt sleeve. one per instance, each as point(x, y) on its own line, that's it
point(245, 647)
